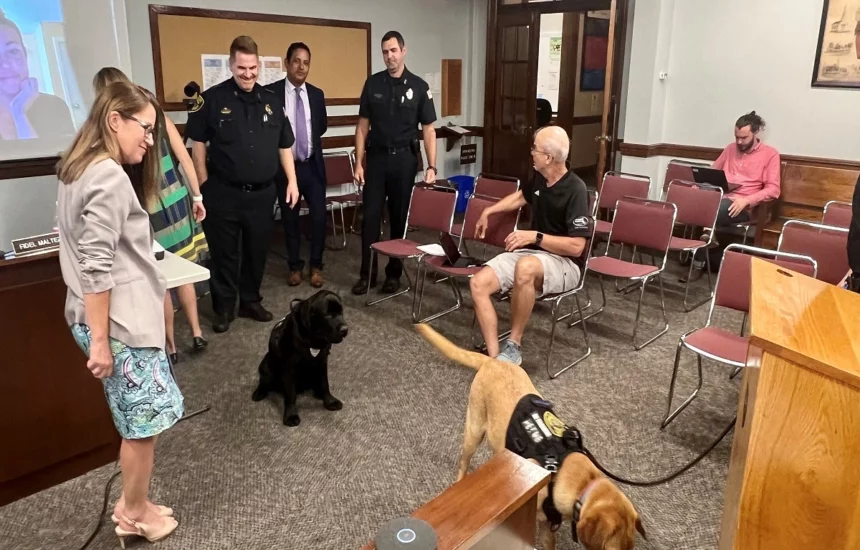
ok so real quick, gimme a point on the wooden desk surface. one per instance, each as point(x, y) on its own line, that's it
point(806, 321)
point(483, 499)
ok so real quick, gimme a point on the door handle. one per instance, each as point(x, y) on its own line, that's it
point(607, 139)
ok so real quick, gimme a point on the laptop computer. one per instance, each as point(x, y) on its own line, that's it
point(452, 254)
point(710, 176)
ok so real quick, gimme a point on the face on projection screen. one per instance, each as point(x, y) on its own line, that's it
point(40, 97)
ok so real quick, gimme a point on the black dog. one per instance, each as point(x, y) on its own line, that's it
point(297, 360)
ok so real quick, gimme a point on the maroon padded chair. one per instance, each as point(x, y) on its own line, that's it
point(339, 172)
point(490, 186)
point(825, 244)
point(615, 186)
point(733, 292)
point(499, 227)
point(643, 224)
point(837, 214)
point(429, 208)
point(698, 207)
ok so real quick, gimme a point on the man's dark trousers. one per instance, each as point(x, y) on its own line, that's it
point(391, 175)
point(238, 228)
point(312, 188)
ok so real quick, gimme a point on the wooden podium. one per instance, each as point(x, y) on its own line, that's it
point(794, 475)
point(493, 508)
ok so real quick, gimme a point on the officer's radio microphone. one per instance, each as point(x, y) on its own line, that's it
point(192, 91)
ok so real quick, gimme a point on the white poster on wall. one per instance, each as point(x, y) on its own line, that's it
point(271, 70)
point(216, 69)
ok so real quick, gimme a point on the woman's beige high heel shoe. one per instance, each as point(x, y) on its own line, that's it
point(151, 534)
point(162, 511)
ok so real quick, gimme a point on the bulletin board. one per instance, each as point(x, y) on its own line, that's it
point(340, 50)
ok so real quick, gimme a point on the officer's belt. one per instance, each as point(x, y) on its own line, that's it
point(244, 186)
point(379, 150)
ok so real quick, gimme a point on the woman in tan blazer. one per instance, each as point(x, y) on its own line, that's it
point(116, 292)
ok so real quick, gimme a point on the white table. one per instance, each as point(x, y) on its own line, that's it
point(179, 271)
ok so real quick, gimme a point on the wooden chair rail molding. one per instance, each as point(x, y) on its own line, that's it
point(711, 153)
point(46, 166)
point(493, 508)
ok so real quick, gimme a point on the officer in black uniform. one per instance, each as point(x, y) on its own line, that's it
point(854, 240)
point(249, 141)
point(393, 102)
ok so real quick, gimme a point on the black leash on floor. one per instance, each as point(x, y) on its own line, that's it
point(110, 481)
point(668, 478)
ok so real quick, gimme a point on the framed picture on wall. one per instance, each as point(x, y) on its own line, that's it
point(837, 61)
point(595, 43)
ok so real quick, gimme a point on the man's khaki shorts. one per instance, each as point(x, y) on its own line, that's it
point(560, 274)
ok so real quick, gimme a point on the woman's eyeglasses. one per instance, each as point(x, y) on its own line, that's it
point(148, 129)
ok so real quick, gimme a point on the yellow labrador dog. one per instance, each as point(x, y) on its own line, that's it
point(602, 517)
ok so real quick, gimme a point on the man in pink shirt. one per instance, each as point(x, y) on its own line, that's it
point(753, 172)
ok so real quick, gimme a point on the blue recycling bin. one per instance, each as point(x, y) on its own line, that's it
point(465, 187)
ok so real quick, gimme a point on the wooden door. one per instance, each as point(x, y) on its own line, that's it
point(515, 93)
point(608, 137)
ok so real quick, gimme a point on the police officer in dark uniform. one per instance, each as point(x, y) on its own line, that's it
point(249, 142)
point(393, 103)
point(854, 240)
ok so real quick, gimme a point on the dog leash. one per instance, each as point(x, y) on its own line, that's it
point(668, 478)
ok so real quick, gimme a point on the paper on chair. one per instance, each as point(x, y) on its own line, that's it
point(432, 249)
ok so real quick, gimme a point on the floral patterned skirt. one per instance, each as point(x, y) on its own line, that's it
point(142, 393)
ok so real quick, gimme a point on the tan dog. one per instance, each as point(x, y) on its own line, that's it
point(607, 519)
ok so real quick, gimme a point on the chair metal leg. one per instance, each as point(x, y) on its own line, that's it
point(735, 372)
point(333, 246)
point(553, 375)
point(457, 297)
point(390, 296)
point(645, 282)
point(687, 307)
point(355, 217)
point(670, 414)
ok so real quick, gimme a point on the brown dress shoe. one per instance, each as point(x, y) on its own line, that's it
point(316, 277)
point(295, 278)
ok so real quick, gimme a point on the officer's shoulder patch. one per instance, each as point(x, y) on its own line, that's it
point(198, 103)
point(581, 221)
point(555, 425)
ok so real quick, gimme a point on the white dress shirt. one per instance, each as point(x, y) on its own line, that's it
point(290, 107)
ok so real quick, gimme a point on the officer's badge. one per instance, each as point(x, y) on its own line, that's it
point(409, 93)
point(198, 104)
point(226, 111)
point(268, 109)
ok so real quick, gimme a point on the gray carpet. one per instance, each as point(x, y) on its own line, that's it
point(237, 478)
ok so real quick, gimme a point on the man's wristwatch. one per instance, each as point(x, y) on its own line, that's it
point(435, 172)
point(538, 239)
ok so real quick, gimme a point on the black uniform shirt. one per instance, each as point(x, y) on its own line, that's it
point(245, 131)
point(560, 210)
point(854, 231)
point(394, 107)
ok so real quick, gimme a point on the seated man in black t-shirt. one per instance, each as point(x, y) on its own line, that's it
point(546, 260)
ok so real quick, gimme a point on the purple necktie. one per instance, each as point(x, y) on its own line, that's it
point(301, 128)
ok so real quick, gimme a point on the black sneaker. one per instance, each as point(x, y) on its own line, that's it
point(390, 286)
point(221, 323)
point(256, 312)
point(360, 287)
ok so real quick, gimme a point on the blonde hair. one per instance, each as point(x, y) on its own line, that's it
point(107, 76)
point(96, 140)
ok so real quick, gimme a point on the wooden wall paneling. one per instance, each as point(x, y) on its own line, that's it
point(452, 87)
point(711, 153)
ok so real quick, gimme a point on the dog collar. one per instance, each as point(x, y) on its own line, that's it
point(580, 504)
